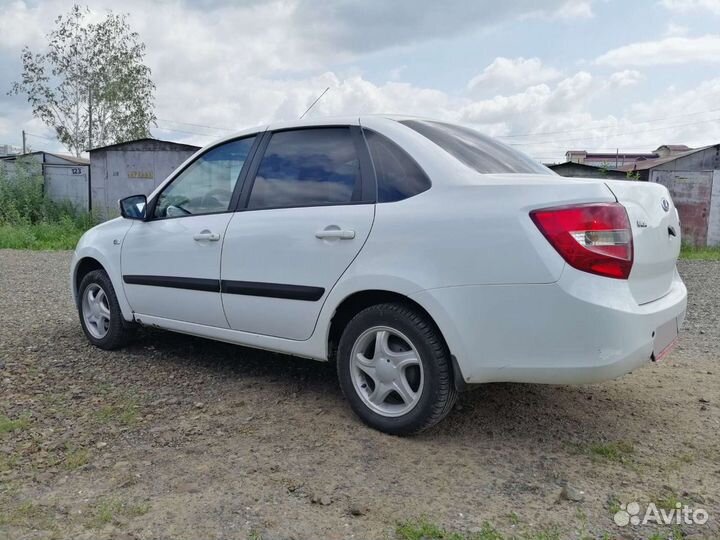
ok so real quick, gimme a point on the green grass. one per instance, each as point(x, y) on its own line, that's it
point(123, 412)
point(29, 219)
point(76, 458)
point(110, 510)
point(700, 253)
point(41, 236)
point(7, 425)
point(616, 451)
point(26, 514)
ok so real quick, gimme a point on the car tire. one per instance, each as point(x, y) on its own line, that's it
point(395, 351)
point(100, 314)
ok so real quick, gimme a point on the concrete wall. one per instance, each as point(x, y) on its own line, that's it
point(130, 169)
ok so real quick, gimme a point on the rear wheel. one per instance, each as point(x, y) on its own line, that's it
point(100, 314)
point(394, 369)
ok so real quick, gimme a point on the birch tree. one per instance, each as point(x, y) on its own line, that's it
point(90, 85)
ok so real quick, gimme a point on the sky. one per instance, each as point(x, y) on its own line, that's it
point(545, 77)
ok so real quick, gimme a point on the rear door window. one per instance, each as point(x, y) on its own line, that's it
point(307, 167)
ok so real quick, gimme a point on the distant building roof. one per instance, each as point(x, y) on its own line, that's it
point(146, 139)
point(650, 163)
point(72, 159)
point(674, 147)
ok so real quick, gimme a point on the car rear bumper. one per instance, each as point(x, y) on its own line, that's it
point(580, 329)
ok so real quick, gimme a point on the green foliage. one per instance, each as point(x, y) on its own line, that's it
point(90, 65)
point(29, 219)
point(612, 451)
point(700, 253)
point(633, 175)
point(7, 425)
point(109, 510)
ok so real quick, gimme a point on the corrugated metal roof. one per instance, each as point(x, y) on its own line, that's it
point(145, 139)
point(72, 159)
point(650, 163)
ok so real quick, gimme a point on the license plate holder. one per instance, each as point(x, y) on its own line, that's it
point(665, 339)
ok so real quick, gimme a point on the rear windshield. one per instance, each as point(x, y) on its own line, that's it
point(484, 154)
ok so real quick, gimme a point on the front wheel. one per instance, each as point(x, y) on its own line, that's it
point(100, 314)
point(394, 369)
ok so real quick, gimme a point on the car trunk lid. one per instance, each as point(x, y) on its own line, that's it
point(656, 236)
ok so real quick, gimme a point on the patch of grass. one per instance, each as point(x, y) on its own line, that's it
point(675, 534)
point(7, 425)
point(111, 510)
point(26, 514)
point(616, 451)
point(41, 236)
point(29, 219)
point(700, 253)
point(613, 505)
point(76, 458)
point(123, 412)
point(7, 462)
point(669, 501)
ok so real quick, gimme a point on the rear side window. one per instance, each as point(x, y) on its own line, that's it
point(484, 154)
point(307, 167)
point(398, 176)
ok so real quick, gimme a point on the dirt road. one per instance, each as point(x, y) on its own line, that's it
point(178, 437)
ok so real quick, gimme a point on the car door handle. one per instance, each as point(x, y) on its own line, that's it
point(333, 231)
point(206, 235)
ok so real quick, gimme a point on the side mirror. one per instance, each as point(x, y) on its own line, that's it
point(133, 207)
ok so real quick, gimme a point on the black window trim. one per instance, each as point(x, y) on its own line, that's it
point(242, 177)
point(374, 171)
point(368, 189)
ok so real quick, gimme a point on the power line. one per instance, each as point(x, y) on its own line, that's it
point(196, 125)
point(621, 134)
point(41, 136)
point(173, 130)
point(659, 119)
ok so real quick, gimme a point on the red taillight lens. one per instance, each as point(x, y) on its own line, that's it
point(595, 238)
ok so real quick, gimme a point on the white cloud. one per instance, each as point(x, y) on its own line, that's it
point(673, 29)
point(627, 77)
point(684, 6)
point(672, 50)
point(505, 74)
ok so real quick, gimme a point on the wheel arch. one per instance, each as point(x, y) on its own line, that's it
point(83, 267)
point(354, 303)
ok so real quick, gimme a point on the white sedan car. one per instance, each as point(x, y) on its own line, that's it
point(422, 257)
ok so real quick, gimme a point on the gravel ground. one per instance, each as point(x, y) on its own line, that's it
point(178, 437)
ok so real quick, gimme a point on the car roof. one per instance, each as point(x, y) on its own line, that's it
point(319, 121)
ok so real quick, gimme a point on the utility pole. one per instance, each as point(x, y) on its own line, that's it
point(89, 176)
point(24, 144)
point(89, 118)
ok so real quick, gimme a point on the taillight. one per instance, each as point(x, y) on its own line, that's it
point(595, 238)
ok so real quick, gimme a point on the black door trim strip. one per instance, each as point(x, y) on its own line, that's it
point(193, 284)
point(246, 288)
point(272, 290)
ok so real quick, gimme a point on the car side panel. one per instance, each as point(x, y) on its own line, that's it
point(104, 243)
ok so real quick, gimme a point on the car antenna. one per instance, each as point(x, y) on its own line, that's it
point(314, 102)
